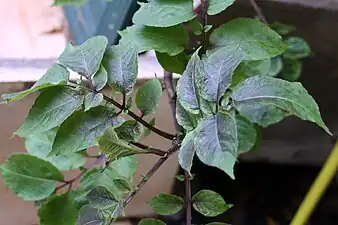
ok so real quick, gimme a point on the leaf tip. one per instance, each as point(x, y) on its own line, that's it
point(327, 130)
point(232, 175)
point(52, 153)
point(13, 135)
point(5, 99)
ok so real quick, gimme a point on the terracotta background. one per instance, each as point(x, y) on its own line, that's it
point(36, 31)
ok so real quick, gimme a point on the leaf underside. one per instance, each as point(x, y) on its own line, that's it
point(216, 142)
point(292, 98)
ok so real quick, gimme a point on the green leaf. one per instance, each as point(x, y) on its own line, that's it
point(113, 147)
point(84, 59)
point(196, 26)
point(182, 177)
point(208, 108)
point(30, 177)
point(298, 48)
point(289, 97)
point(237, 78)
point(164, 13)
point(151, 222)
point(253, 39)
point(292, 70)
point(147, 131)
point(129, 103)
point(187, 92)
point(207, 27)
point(81, 201)
point(53, 106)
point(173, 64)
point(165, 204)
point(148, 97)
point(209, 203)
point(80, 130)
point(217, 73)
point(123, 184)
point(267, 67)
point(255, 68)
point(171, 40)
point(69, 2)
point(281, 28)
point(217, 6)
point(56, 75)
point(129, 130)
point(59, 210)
point(92, 100)
point(40, 145)
point(123, 168)
point(122, 66)
point(259, 139)
point(216, 142)
point(184, 118)
point(246, 134)
point(90, 216)
point(262, 114)
point(117, 211)
point(100, 79)
point(100, 198)
point(276, 66)
point(187, 151)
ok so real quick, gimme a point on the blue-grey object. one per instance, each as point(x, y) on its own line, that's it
point(99, 17)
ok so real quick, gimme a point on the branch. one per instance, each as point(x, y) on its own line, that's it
point(187, 197)
point(165, 156)
point(168, 82)
point(205, 6)
point(70, 182)
point(147, 177)
point(90, 81)
point(151, 172)
point(140, 120)
point(124, 101)
point(149, 149)
point(169, 86)
point(130, 113)
point(259, 12)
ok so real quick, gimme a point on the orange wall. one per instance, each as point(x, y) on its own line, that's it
point(14, 211)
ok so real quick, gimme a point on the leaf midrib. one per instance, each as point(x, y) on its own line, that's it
point(29, 177)
point(85, 62)
point(50, 110)
point(193, 80)
point(94, 221)
point(262, 97)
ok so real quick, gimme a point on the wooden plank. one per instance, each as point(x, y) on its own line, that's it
point(14, 71)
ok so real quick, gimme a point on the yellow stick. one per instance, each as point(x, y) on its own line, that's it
point(318, 188)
